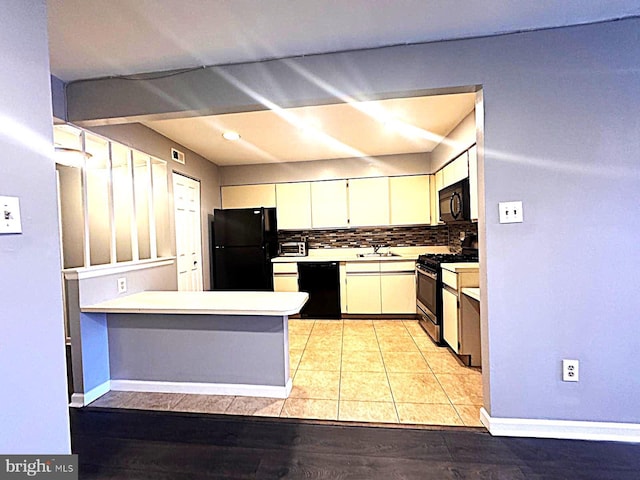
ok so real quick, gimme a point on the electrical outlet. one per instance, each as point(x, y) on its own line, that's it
point(510, 212)
point(122, 285)
point(570, 370)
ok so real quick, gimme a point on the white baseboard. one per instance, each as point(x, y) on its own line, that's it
point(564, 429)
point(79, 400)
point(240, 390)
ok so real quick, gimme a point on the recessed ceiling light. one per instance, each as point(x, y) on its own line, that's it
point(231, 136)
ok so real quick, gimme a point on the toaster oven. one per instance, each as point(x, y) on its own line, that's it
point(293, 249)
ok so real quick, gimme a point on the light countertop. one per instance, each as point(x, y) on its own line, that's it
point(343, 258)
point(473, 292)
point(461, 266)
point(351, 255)
point(207, 303)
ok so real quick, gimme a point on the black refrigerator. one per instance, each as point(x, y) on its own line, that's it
point(243, 242)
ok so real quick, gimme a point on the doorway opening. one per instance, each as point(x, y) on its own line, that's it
point(331, 359)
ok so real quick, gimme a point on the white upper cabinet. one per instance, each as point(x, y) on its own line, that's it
point(369, 202)
point(361, 202)
point(456, 170)
point(248, 196)
point(473, 182)
point(438, 184)
point(293, 206)
point(329, 204)
point(409, 199)
point(439, 176)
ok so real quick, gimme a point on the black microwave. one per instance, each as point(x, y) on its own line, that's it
point(454, 202)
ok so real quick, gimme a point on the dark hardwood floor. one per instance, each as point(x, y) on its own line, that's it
point(128, 444)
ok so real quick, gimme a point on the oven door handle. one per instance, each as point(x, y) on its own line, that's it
point(431, 275)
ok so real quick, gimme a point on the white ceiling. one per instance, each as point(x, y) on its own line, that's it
point(98, 38)
point(407, 125)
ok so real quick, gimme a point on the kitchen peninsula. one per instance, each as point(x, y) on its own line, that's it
point(231, 343)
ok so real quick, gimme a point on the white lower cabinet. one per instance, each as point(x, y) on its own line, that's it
point(398, 287)
point(386, 287)
point(363, 287)
point(283, 283)
point(285, 277)
point(363, 293)
point(398, 293)
point(450, 318)
point(453, 283)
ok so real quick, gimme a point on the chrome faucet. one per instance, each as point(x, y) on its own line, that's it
point(377, 246)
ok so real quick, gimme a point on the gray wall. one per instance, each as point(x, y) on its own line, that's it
point(560, 133)
point(148, 141)
point(33, 404)
point(99, 289)
point(382, 166)
point(205, 348)
point(58, 99)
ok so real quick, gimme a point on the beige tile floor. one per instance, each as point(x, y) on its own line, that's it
point(382, 371)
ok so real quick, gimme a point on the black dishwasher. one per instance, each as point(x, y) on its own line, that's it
point(321, 281)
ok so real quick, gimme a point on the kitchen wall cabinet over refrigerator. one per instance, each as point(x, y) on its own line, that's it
point(248, 196)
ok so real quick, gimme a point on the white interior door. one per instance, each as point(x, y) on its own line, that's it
point(186, 198)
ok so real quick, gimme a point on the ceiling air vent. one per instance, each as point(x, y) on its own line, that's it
point(177, 156)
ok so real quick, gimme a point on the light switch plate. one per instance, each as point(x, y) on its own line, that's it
point(10, 215)
point(510, 212)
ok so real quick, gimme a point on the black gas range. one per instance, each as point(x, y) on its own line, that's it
point(432, 261)
point(429, 286)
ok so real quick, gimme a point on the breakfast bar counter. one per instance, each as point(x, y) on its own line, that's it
point(228, 343)
point(208, 303)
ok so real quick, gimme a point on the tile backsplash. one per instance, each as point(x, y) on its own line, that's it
point(455, 242)
point(392, 236)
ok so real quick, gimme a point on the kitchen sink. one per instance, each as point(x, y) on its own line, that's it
point(377, 255)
